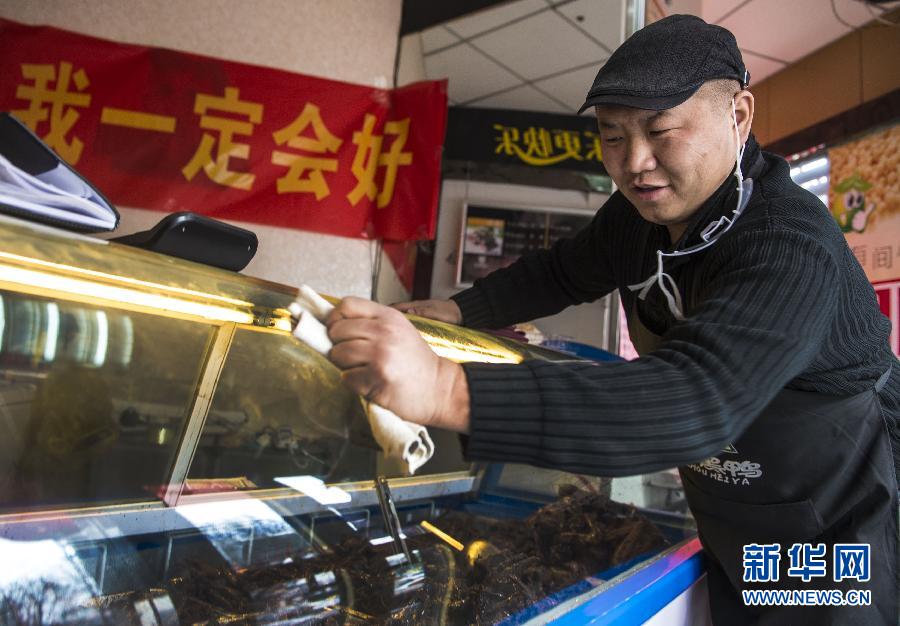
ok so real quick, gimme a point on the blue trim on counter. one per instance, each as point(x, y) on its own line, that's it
point(640, 595)
point(581, 587)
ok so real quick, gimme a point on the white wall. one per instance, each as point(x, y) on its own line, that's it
point(689, 608)
point(584, 323)
point(411, 64)
point(334, 265)
point(410, 69)
point(349, 40)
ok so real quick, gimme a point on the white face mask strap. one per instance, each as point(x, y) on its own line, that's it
point(673, 297)
point(643, 288)
point(666, 284)
point(739, 156)
point(739, 151)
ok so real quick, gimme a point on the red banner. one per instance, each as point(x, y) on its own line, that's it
point(166, 130)
point(888, 294)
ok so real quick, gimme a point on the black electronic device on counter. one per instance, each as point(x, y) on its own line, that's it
point(197, 238)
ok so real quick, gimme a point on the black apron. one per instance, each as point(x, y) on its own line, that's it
point(811, 468)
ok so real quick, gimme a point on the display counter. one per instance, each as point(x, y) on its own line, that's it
point(170, 454)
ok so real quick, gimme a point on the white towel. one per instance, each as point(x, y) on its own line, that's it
point(397, 438)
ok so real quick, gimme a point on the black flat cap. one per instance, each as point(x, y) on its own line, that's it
point(663, 64)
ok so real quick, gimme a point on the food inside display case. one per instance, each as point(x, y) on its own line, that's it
point(245, 563)
point(172, 455)
point(463, 568)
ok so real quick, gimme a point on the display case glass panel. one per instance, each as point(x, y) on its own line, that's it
point(93, 401)
point(280, 410)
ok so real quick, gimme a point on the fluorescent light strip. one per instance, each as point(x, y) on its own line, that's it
point(102, 338)
point(813, 165)
point(2, 321)
point(33, 337)
point(814, 182)
point(80, 352)
point(124, 279)
point(51, 337)
point(12, 274)
point(127, 340)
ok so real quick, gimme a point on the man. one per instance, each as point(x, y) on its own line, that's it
point(765, 373)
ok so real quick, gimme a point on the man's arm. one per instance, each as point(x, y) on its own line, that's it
point(440, 310)
point(763, 319)
point(767, 308)
point(384, 359)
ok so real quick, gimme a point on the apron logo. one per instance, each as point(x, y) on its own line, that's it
point(730, 472)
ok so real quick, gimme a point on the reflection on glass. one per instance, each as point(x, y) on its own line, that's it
point(2, 321)
point(52, 336)
point(466, 345)
point(41, 583)
point(315, 489)
point(92, 401)
point(280, 410)
point(229, 525)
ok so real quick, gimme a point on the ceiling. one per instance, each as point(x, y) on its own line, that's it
point(542, 55)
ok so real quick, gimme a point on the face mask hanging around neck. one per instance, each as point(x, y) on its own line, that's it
point(710, 234)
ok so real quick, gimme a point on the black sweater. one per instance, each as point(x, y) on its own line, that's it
point(778, 301)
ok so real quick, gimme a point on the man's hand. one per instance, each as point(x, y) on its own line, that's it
point(385, 360)
point(440, 310)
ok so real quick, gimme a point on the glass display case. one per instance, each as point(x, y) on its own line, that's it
point(170, 454)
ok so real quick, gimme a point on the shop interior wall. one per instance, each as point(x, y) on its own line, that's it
point(852, 70)
point(349, 40)
point(584, 323)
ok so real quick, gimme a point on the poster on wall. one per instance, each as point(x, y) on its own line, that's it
point(170, 131)
point(494, 237)
point(864, 197)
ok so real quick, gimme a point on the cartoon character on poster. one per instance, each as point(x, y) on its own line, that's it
point(852, 210)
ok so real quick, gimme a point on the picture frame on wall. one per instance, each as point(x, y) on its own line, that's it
point(493, 237)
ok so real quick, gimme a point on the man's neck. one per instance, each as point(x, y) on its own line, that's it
point(676, 231)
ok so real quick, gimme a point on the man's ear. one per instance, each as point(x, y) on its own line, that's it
point(743, 109)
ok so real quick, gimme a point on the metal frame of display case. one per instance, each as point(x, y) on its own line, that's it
point(154, 516)
point(202, 401)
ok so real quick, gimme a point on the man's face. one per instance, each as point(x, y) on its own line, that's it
point(667, 163)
